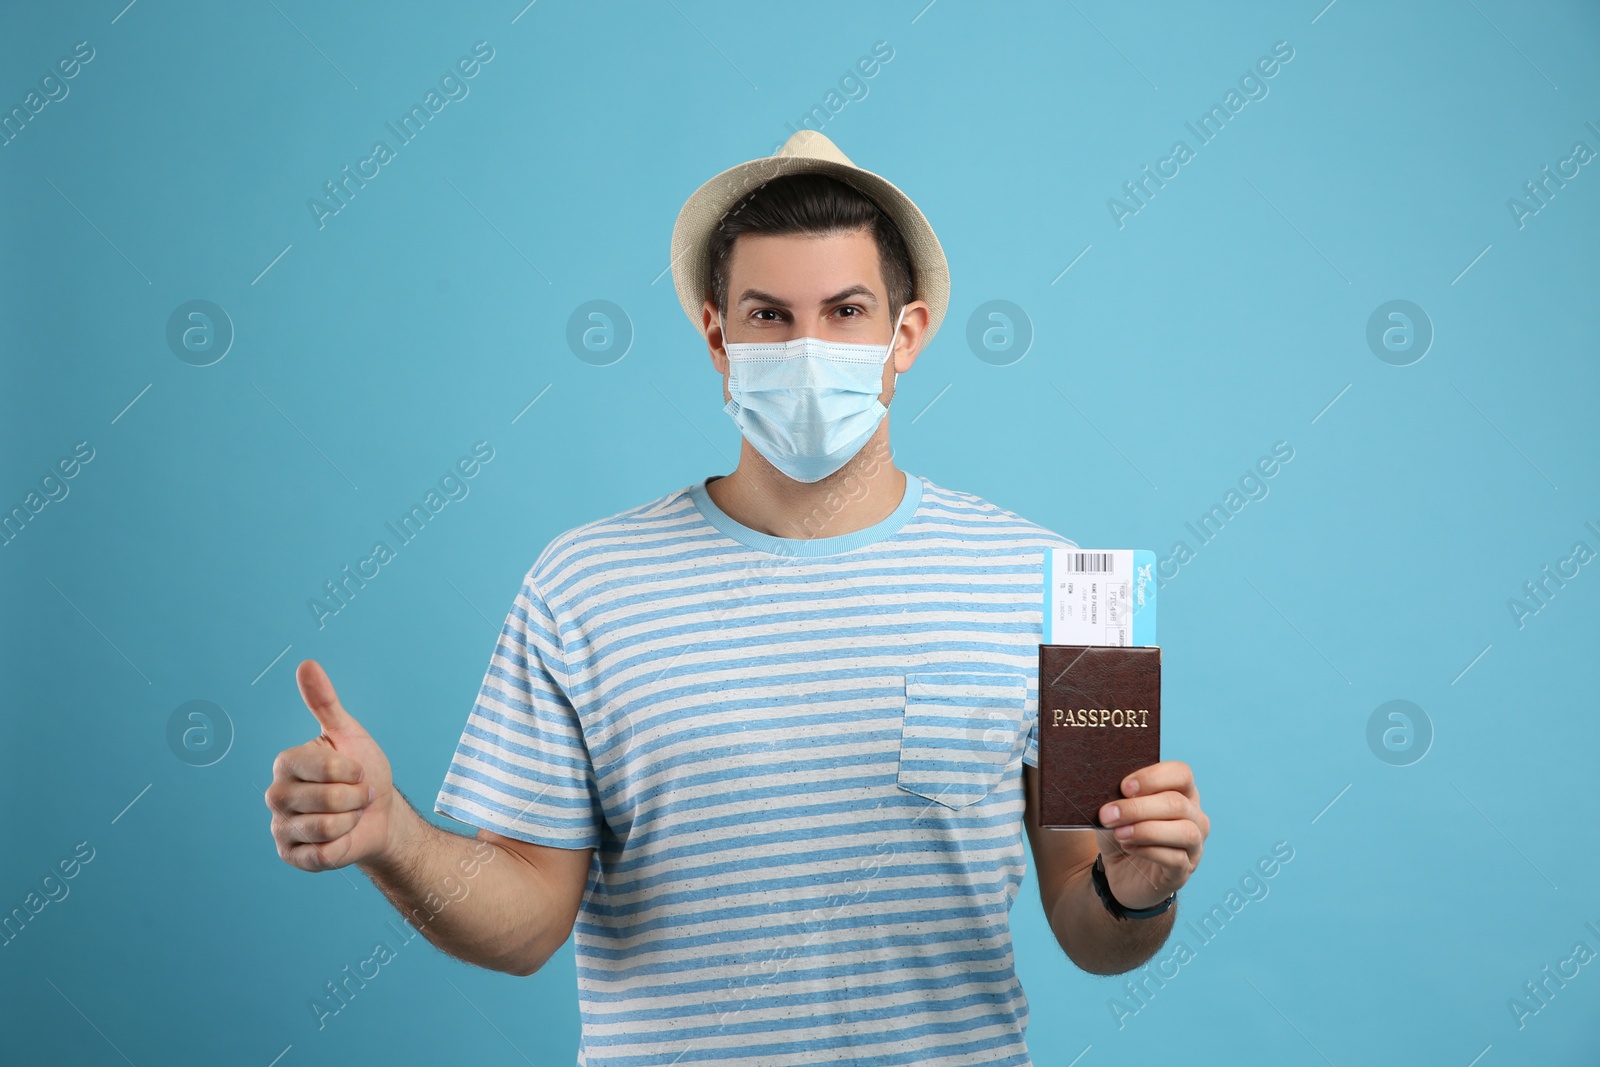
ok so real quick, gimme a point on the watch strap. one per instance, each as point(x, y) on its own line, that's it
point(1103, 888)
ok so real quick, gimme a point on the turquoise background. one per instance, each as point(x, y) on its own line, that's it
point(1228, 314)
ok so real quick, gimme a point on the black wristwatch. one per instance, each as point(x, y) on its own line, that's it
point(1103, 888)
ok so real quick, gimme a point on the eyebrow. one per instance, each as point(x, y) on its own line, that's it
point(757, 296)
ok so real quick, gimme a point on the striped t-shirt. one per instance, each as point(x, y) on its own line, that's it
point(799, 762)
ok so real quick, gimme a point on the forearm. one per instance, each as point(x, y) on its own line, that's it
point(468, 897)
point(1096, 940)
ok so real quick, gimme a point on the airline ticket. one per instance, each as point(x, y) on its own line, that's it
point(1099, 596)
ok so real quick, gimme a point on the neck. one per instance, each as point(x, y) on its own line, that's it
point(862, 492)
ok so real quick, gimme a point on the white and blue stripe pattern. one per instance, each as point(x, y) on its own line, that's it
point(799, 762)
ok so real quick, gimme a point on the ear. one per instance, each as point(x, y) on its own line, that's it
point(912, 329)
point(714, 338)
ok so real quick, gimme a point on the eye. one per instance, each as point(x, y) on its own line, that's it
point(852, 307)
point(763, 311)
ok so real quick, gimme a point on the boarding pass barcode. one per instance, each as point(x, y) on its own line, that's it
point(1087, 562)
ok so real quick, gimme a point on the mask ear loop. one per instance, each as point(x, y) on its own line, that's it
point(892, 338)
point(723, 326)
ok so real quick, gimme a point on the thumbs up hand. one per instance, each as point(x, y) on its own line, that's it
point(332, 798)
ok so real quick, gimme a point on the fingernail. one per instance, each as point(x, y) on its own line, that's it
point(372, 792)
point(361, 774)
point(1124, 831)
point(1111, 814)
point(1131, 785)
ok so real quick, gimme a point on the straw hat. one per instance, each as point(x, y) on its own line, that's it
point(805, 152)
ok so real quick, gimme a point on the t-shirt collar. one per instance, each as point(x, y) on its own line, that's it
point(808, 546)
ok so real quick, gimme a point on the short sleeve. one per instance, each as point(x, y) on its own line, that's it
point(1030, 752)
point(522, 766)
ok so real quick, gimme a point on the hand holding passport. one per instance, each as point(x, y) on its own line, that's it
point(1099, 681)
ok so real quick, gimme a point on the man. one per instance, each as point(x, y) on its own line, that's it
point(768, 743)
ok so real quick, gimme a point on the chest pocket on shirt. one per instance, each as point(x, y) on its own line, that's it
point(959, 733)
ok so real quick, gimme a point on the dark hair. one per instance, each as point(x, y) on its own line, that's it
point(812, 204)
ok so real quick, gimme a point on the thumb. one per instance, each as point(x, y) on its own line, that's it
point(318, 693)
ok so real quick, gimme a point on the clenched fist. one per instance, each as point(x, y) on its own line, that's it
point(331, 798)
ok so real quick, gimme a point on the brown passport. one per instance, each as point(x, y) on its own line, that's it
point(1099, 721)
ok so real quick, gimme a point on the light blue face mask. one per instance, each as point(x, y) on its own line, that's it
point(807, 405)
